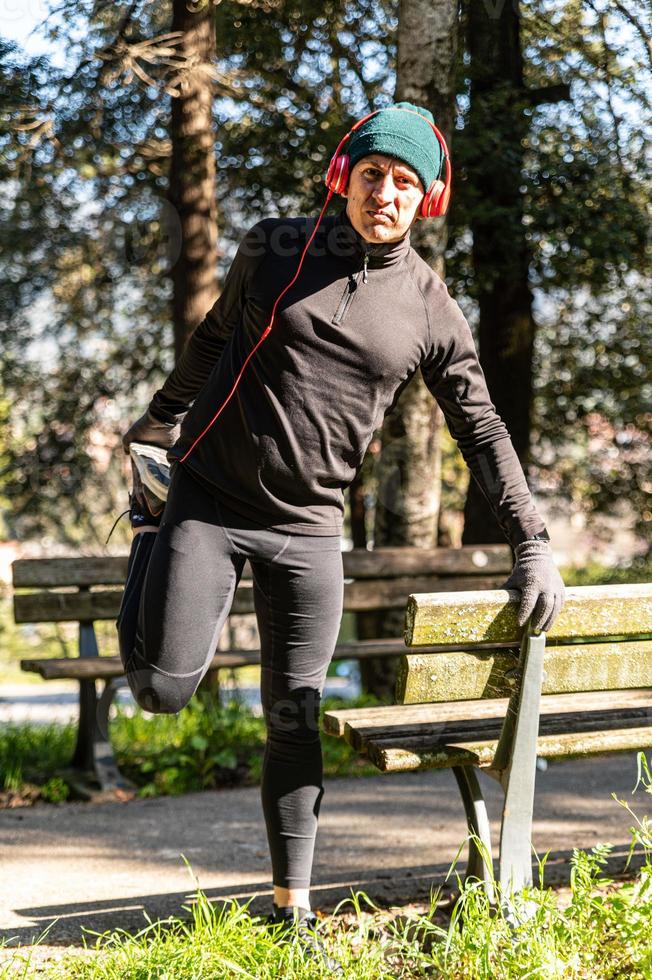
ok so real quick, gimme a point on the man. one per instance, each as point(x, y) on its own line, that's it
point(262, 478)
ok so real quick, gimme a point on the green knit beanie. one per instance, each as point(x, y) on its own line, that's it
point(403, 135)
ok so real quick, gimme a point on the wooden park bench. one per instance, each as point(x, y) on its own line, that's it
point(473, 701)
point(87, 590)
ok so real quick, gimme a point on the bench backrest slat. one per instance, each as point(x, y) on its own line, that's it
point(390, 562)
point(84, 572)
point(369, 594)
point(467, 676)
point(46, 573)
point(467, 618)
point(365, 594)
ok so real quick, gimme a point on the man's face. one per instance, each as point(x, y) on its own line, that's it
point(384, 195)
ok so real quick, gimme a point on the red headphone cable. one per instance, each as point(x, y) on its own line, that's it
point(265, 332)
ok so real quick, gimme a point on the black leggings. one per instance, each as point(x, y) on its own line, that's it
point(179, 590)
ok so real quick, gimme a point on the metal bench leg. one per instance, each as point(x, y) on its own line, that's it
point(106, 768)
point(83, 755)
point(518, 776)
point(82, 758)
point(479, 865)
point(93, 761)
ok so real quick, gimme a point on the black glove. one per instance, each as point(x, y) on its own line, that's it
point(147, 429)
point(537, 578)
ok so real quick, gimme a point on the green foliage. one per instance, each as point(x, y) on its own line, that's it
point(587, 185)
point(205, 746)
point(88, 239)
point(297, 78)
point(209, 745)
point(32, 753)
point(56, 790)
point(639, 570)
point(76, 243)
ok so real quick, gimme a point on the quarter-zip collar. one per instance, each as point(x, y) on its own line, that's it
point(344, 240)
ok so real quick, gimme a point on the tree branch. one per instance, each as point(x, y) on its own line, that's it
point(548, 93)
point(647, 38)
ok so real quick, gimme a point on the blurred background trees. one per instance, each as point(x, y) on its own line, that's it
point(546, 246)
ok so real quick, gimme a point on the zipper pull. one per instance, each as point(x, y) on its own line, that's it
point(364, 266)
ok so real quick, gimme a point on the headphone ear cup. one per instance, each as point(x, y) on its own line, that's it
point(337, 177)
point(435, 202)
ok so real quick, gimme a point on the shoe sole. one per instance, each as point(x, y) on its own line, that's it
point(154, 471)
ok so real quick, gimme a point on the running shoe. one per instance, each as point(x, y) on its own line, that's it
point(298, 925)
point(153, 468)
point(145, 509)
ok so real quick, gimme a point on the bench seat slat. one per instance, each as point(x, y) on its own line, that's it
point(475, 617)
point(467, 675)
point(102, 668)
point(569, 745)
point(337, 721)
point(427, 736)
point(106, 668)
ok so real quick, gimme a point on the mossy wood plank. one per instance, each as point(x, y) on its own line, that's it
point(385, 716)
point(75, 668)
point(465, 675)
point(56, 607)
point(477, 729)
point(485, 617)
point(428, 737)
point(53, 606)
point(561, 746)
point(336, 721)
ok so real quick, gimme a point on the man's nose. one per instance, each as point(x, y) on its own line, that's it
point(384, 189)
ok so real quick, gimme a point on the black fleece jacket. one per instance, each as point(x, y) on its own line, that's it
point(347, 338)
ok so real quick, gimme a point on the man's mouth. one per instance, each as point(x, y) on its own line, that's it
point(381, 215)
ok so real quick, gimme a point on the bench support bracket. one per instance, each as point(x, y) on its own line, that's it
point(480, 864)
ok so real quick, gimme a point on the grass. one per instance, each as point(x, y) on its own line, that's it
point(597, 929)
point(31, 757)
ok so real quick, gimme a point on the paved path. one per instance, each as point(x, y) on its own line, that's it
point(101, 865)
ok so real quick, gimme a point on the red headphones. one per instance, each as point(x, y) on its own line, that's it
point(437, 197)
point(434, 204)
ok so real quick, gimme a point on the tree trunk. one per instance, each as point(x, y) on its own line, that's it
point(192, 194)
point(409, 467)
point(192, 174)
point(497, 130)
